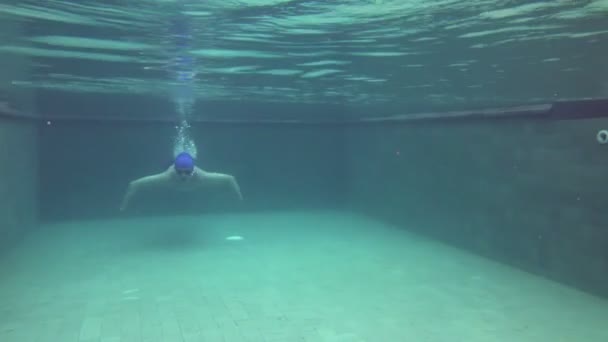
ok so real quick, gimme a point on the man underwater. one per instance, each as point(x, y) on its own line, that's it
point(183, 175)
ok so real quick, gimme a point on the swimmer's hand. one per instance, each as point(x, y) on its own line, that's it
point(130, 193)
point(235, 187)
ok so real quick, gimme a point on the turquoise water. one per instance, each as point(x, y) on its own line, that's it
point(324, 244)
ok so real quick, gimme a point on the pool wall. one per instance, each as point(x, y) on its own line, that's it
point(531, 193)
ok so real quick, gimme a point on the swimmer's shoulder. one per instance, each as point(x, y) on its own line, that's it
point(208, 174)
point(212, 176)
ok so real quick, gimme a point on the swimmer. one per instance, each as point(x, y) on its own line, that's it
point(183, 175)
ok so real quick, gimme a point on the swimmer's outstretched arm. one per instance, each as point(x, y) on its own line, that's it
point(138, 184)
point(228, 180)
point(235, 187)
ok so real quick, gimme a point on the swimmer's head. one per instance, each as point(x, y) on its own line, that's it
point(184, 165)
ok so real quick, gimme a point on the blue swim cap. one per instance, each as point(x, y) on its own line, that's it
point(184, 161)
